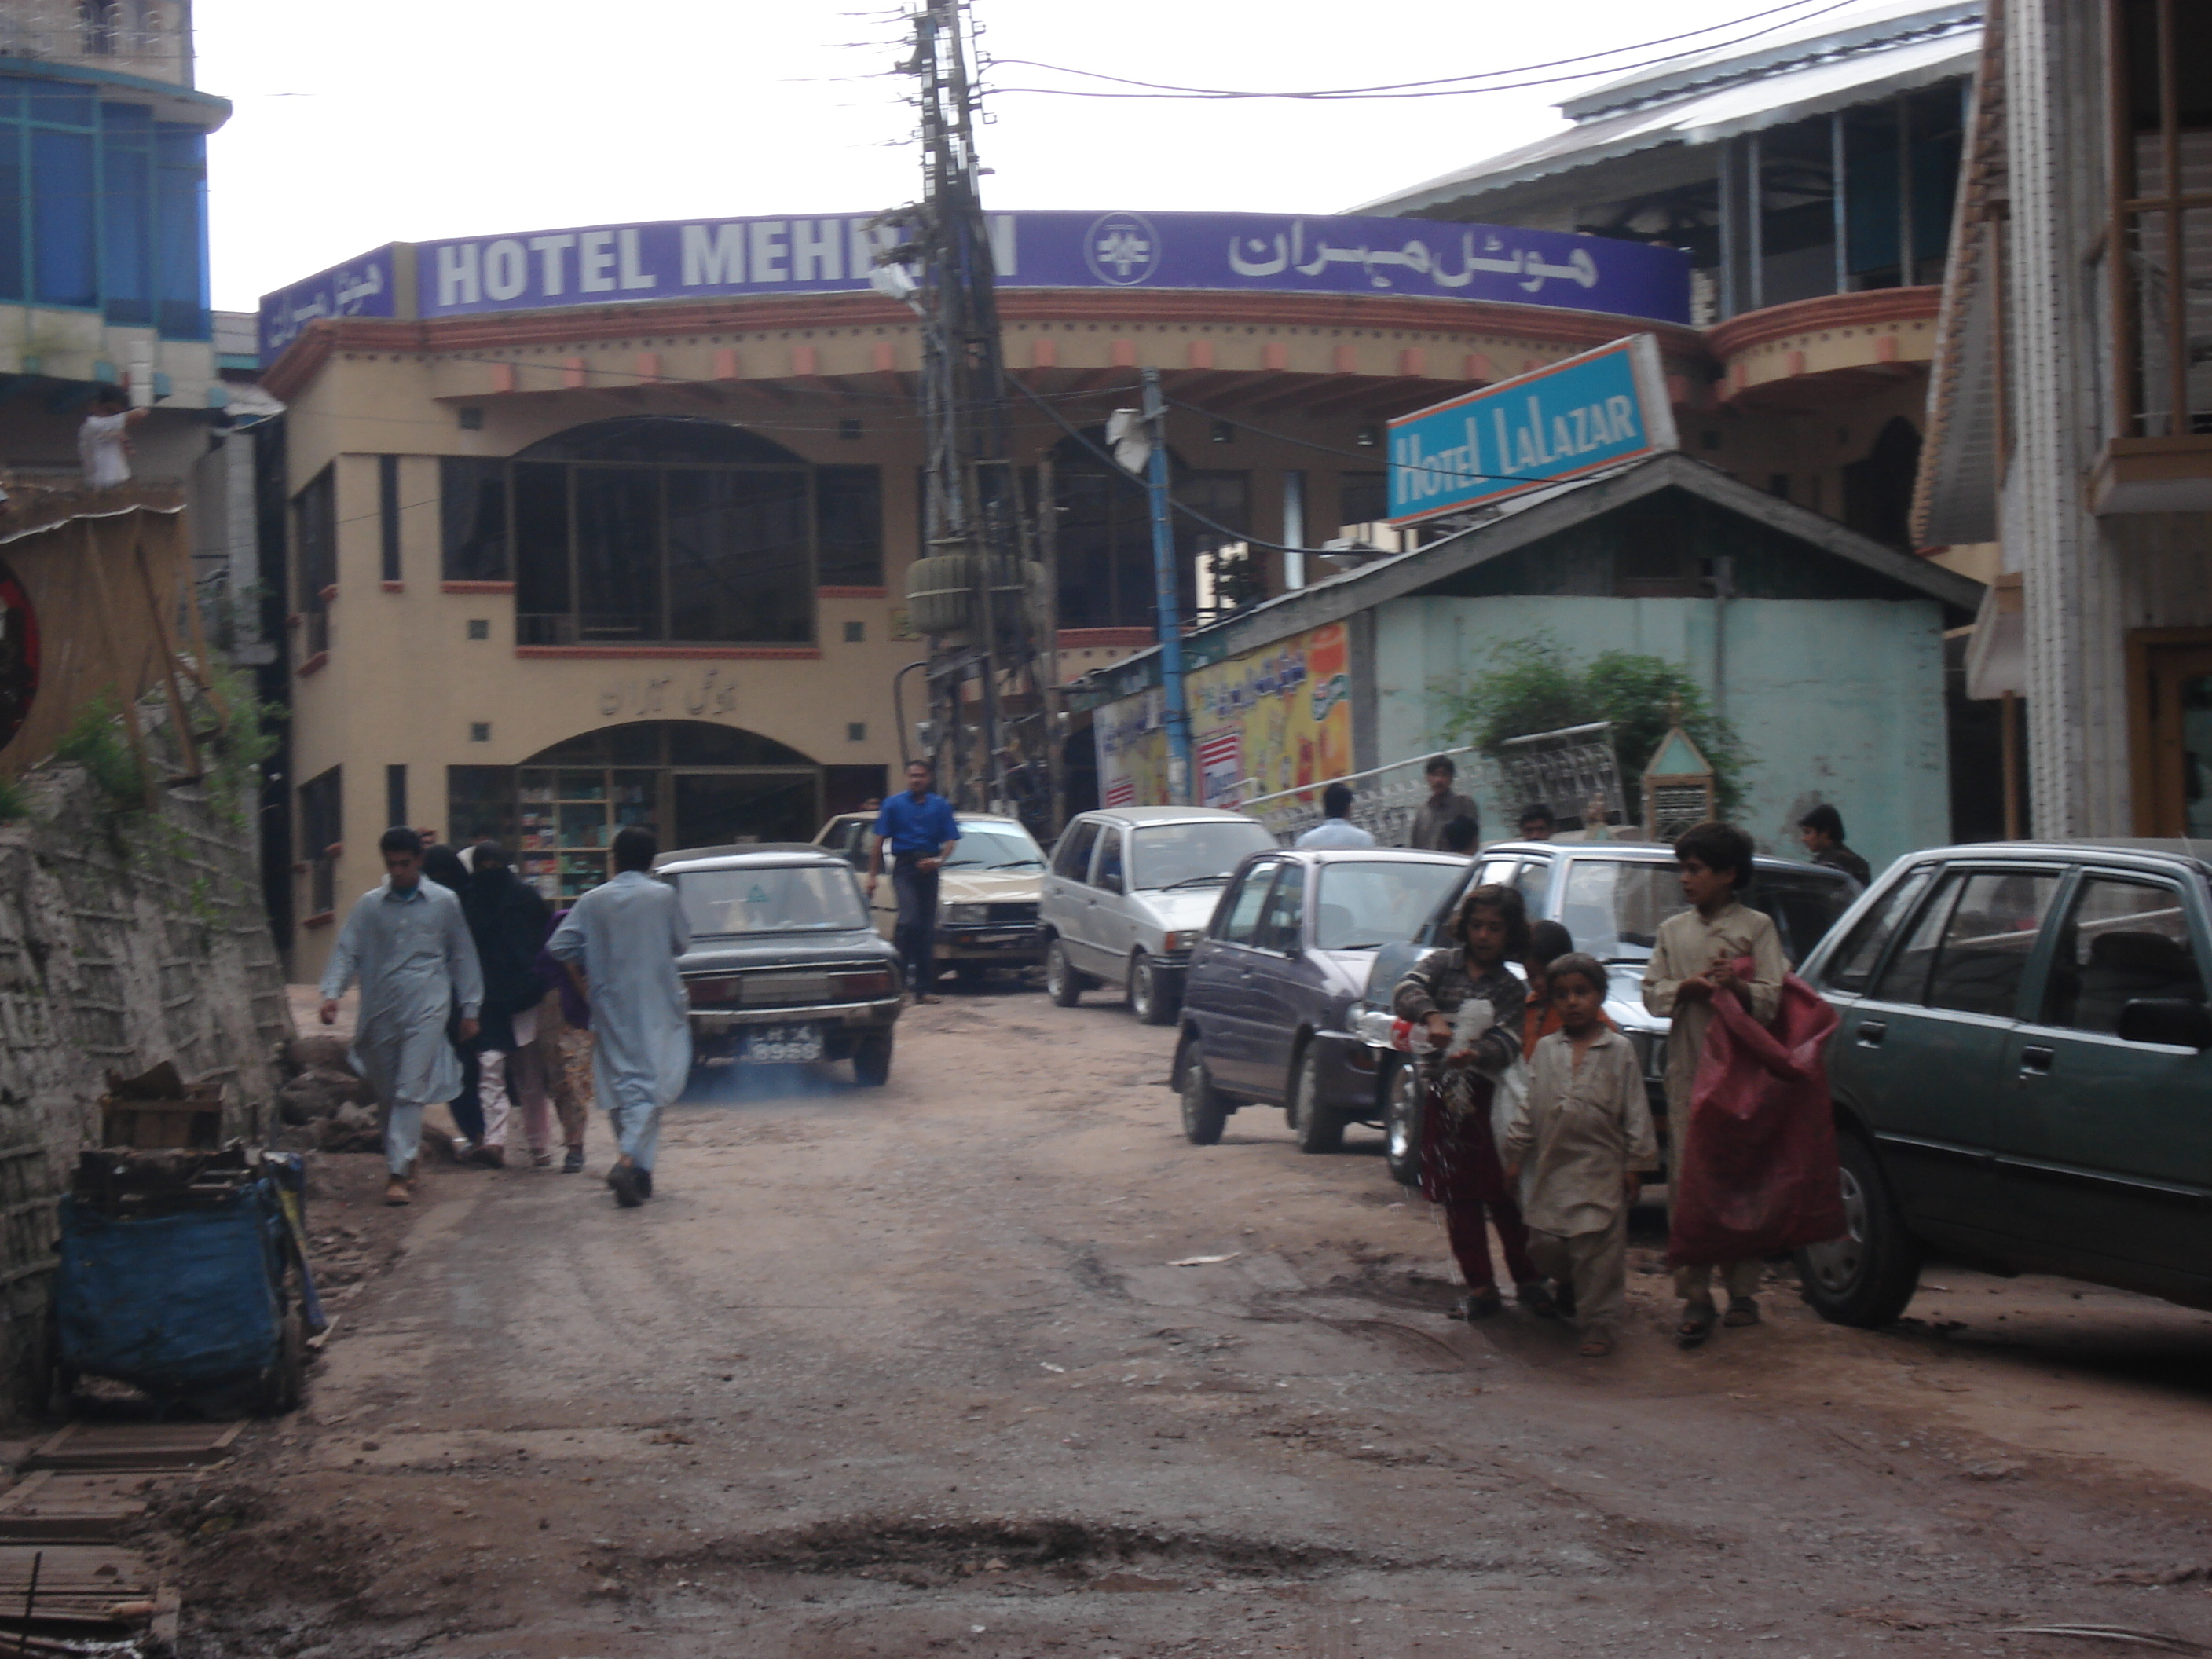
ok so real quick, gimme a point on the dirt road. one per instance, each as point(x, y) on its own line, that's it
point(932, 1369)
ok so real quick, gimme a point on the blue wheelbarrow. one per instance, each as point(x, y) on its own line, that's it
point(191, 1293)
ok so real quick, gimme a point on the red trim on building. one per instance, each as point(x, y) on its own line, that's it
point(314, 665)
point(393, 588)
point(1871, 306)
point(679, 653)
point(331, 594)
point(475, 587)
point(320, 919)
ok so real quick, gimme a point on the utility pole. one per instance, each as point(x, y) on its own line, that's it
point(1167, 603)
point(978, 593)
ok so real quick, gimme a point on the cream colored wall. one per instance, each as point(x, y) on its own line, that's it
point(403, 683)
point(1811, 447)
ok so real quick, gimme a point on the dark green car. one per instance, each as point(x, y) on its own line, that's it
point(2023, 1073)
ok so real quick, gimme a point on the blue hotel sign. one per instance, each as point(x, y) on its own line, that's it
point(1251, 252)
point(1595, 410)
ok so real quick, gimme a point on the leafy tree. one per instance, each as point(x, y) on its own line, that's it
point(1532, 686)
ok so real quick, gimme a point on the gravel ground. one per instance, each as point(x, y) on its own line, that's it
point(929, 1369)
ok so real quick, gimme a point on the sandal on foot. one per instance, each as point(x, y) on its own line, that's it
point(1742, 1311)
point(1481, 1305)
point(1595, 1347)
point(395, 1192)
point(1536, 1297)
point(1694, 1330)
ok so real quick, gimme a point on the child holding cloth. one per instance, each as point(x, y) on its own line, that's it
point(1459, 1153)
point(1584, 1131)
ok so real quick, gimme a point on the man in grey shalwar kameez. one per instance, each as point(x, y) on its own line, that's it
point(626, 936)
point(408, 945)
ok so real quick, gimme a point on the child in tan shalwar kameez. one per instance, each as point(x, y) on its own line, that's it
point(1583, 1131)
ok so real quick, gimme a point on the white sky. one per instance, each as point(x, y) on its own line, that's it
point(412, 119)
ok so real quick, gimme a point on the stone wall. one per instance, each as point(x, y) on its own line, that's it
point(126, 939)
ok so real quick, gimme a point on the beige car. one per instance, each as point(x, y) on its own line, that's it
point(987, 893)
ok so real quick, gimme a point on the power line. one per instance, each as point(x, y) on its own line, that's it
point(1347, 95)
point(1406, 85)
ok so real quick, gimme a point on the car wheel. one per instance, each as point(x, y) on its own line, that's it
point(1205, 1114)
point(1147, 1001)
point(872, 1061)
point(969, 976)
point(1403, 1098)
point(1061, 983)
point(1866, 1277)
point(1319, 1127)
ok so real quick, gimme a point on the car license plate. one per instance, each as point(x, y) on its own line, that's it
point(782, 1045)
point(1016, 937)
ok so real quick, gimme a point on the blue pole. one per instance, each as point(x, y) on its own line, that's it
point(1165, 600)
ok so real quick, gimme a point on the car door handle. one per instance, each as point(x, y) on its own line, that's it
point(2035, 1059)
point(1871, 1032)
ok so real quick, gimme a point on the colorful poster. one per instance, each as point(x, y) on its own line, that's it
point(1267, 722)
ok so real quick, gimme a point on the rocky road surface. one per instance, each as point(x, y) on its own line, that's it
point(990, 1362)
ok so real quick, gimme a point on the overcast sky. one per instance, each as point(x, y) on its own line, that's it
point(412, 119)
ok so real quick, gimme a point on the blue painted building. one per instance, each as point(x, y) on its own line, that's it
point(103, 230)
point(1823, 648)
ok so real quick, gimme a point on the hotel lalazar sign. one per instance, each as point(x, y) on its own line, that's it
point(1595, 410)
point(672, 259)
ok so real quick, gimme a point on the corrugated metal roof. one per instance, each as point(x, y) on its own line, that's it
point(1944, 43)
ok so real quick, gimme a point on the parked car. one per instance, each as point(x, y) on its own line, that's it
point(783, 967)
point(987, 892)
point(1611, 898)
point(1129, 892)
point(1275, 973)
point(2023, 1073)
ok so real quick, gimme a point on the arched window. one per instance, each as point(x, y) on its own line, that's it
point(1878, 490)
point(693, 783)
point(651, 528)
point(103, 26)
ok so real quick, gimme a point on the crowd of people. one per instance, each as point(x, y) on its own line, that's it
point(1537, 1123)
point(476, 995)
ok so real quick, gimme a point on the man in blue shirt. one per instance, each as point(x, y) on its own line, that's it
point(920, 831)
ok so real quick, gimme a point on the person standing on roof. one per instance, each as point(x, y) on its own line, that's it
point(622, 941)
point(1442, 809)
point(103, 440)
point(408, 943)
point(1336, 828)
point(920, 830)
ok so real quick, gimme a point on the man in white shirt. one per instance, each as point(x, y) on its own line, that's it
point(103, 442)
point(1336, 828)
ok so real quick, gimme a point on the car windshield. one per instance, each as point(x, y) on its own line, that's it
point(1612, 907)
point(1361, 905)
point(809, 898)
point(995, 847)
point(1191, 854)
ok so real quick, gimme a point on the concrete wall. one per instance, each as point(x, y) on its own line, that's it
point(123, 942)
point(1836, 699)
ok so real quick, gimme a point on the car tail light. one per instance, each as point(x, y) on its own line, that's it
point(875, 983)
point(704, 991)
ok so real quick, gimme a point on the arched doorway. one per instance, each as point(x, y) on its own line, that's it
point(693, 783)
point(1878, 490)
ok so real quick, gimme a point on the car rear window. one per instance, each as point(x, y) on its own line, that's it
point(813, 898)
point(2124, 940)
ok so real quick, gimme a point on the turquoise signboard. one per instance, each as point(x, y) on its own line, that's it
point(1602, 408)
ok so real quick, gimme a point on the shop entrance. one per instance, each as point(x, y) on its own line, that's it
point(2173, 731)
point(693, 784)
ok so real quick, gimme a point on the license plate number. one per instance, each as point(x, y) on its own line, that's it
point(782, 1045)
point(1017, 937)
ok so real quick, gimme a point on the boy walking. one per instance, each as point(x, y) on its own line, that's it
point(1693, 962)
point(1586, 1122)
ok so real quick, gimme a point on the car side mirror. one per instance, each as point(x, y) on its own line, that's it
point(2177, 1021)
point(1109, 881)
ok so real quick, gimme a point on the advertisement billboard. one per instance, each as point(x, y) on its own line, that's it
point(1594, 410)
point(1259, 252)
point(1271, 719)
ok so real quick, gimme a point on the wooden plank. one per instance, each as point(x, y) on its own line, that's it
point(52, 1507)
point(124, 1446)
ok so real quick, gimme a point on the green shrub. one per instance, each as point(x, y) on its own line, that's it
point(14, 801)
point(1533, 686)
point(95, 742)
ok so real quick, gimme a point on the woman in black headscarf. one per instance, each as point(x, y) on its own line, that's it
point(442, 864)
point(509, 919)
